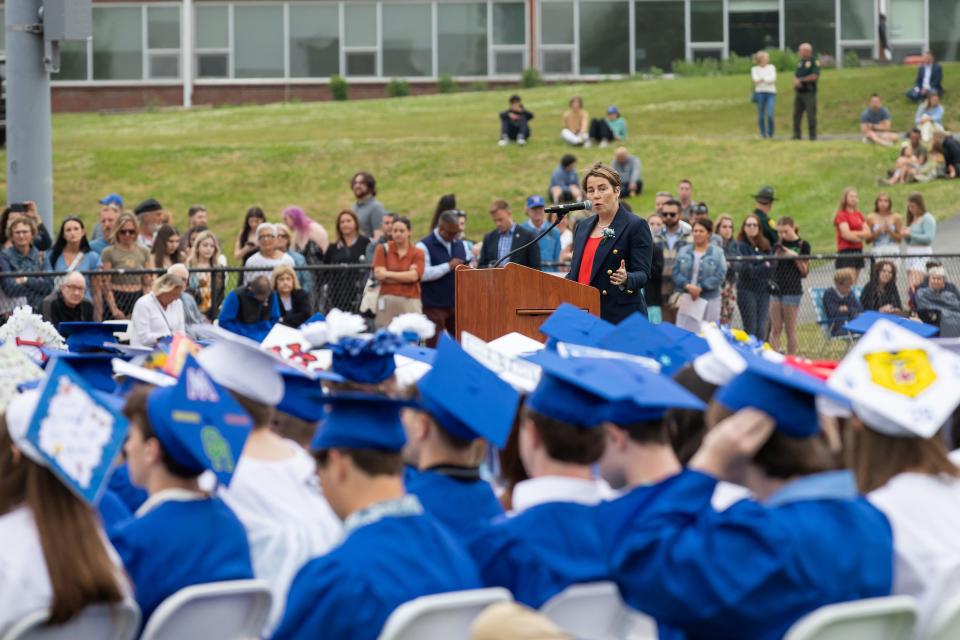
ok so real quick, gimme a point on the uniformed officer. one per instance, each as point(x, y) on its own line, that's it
point(805, 84)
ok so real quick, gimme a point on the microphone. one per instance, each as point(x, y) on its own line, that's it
point(562, 209)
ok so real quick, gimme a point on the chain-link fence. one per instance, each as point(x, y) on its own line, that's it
point(802, 297)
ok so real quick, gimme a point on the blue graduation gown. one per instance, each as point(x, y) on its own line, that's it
point(180, 543)
point(112, 510)
point(753, 570)
point(463, 506)
point(540, 552)
point(349, 593)
point(120, 484)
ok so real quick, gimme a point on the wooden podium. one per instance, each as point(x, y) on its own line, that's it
point(494, 302)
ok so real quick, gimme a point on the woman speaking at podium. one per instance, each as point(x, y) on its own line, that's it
point(612, 249)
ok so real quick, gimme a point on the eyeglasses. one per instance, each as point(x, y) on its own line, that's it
point(74, 287)
point(265, 236)
point(751, 225)
point(127, 232)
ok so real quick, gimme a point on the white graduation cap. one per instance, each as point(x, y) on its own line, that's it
point(516, 345)
point(520, 374)
point(141, 374)
point(722, 363)
point(899, 383)
point(240, 365)
point(570, 350)
point(16, 367)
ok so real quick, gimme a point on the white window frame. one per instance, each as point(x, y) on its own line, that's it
point(376, 49)
point(631, 42)
point(494, 49)
point(694, 47)
point(341, 69)
point(633, 30)
point(198, 51)
point(149, 53)
point(573, 49)
point(842, 44)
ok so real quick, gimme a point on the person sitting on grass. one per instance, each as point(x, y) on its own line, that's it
point(840, 303)
point(875, 124)
point(515, 123)
point(564, 184)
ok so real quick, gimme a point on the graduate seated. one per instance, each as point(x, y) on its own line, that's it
point(274, 490)
point(182, 536)
point(54, 555)
point(553, 543)
point(751, 571)
point(461, 403)
point(900, 459)
point(392, 551)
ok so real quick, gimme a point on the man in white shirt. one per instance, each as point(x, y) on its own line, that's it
point(159, 313)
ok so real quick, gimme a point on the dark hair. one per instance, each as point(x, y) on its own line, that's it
point(403, 220)
point(760, 242)
point(916, 198)
point(498, 205)
point(515, 98)
point(159, 250)
point(568, 443)
point(706, 223)
point(686, 181)
point(135, 410)
point(512, 471)
point(447, 217)
point(567, 160)
point(262, 414)
point(367, 179)
point(699, 208)
point(356, 222)
point(372, 462)
point(787, 221)
point(650, 431)
point(689, 425)
point(916, 131)
point(252, 212)
point(61, 243)
point(195, 209)
point(445, 203)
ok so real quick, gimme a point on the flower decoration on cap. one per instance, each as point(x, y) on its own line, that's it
point(16, 368)
point(367, 360)
point(412, 326)
point(30, 332)
point(338, 324)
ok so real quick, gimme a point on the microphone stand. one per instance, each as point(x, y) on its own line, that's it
point(560, 217)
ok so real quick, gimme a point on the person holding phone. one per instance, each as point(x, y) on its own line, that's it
point(28, 208)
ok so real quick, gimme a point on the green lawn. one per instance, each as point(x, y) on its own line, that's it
point(422, 147)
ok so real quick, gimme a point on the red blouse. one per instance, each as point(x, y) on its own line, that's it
point(586, 263)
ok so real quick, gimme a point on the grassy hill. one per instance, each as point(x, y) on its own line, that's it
point(422, 147)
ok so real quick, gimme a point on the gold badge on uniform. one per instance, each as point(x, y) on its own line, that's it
point(907, 372)
point(807, 64)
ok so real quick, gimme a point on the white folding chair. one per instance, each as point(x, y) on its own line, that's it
point(233, 610)
point(945, 623)
point(891, 618)
point(443, 616)
point(596, 611)
point(96, 622)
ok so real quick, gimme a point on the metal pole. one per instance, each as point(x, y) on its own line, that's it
point(29, 147)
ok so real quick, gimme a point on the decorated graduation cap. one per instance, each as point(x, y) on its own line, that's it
point(863, 322)
point(785, 393)
point(572, 324)
point(303, 397)
point(65, 425)
point(86, 337)
point(899, 383)
point(16, 369)
point(467, 399)
point(636, 335)
point(240, 365)
point(95, 368)
point(199, 424)
point(362, 421)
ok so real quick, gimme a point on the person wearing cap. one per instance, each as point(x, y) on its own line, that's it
point(392, 552)
point(764, 203)
point(443, 251)
point(68, 303)
point(614, 127)
point(461, 403)
point(274, 491)
point(54, 556)
point(159, 313)
point(150, 216)
point(629, 169)
point(182, 536)
point(537, 222)
point(900, 460)
point(750, 571)
point(251, 310)
point(110, 207)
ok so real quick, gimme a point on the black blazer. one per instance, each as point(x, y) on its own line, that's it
point(936, 78)
point(300, 310)
point(632, 243)
point(529, 257)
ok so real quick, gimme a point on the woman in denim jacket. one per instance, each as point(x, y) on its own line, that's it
point(699, 272)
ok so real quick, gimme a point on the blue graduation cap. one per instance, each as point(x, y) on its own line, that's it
point(785, 393)
point(574, 325)
point(74, 432)
point(199, 423)
point(425, 355)
point(317, 317)
point(95, 368)
point(653, 396)
point(362, 421)
point(84, 337)
point(863, 322)
point(366, 360)
point(303, 397)
point(465, 398)
point(637, 336)
point(690, 343)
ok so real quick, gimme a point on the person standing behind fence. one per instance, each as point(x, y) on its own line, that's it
point(764, 76)
point(919, 234)
point(41, 239)
point(852, 230)
point(671, 238)
point(537, 222)
point(309, 237)
point(884, 227)
point(369, 210)
point(652, 291)
point(443, 252)
point(166, 248)
point(72, 252)
point(398, 269)
point(698, 272)
point(753, 285)
point(788, 278)
point(269, 255)
point(121, 292)
point(346, 286)
point(207, 287)
point(805, 84)
point(246, 244)
point(23, 257)
point(731, 249)
point(284, 238)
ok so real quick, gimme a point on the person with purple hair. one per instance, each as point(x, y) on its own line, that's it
point(309, 236)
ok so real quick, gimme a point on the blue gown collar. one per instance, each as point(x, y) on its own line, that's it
point(404, 507)
point(835, 485)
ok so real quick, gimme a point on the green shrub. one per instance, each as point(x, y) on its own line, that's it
point(478, 86)
point(338, 87)
point(784, 59)
point(531, 78)
point(398, 88)
point(445, 84)
point(656, 72)
point(851, 59)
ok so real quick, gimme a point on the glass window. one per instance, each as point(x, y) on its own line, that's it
point(556, 23)
point(163, 27)
point(812, 21)
point(660, 34)
point(73, 61)
point(211, 25)
point(258, 41)
point(604, 38)
point(558, 62)
point(462, 39)
point(509, 23)
point(906, 21)
point(360, 25)
point(361, 63)
point(314, 41)
point(164, 65)
point(508, 62)
point(944, 36)
point(407, 40)
point(857, 19)
point(706, 20)
point(213, 65)
point(117, 43)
